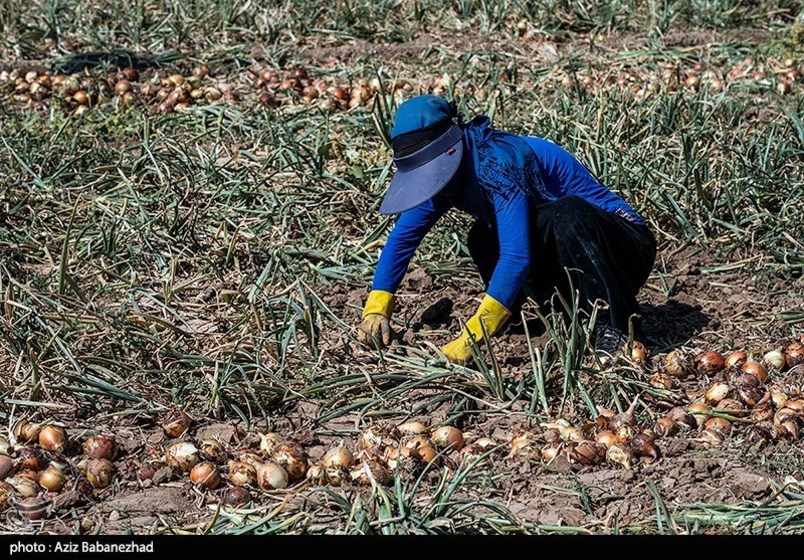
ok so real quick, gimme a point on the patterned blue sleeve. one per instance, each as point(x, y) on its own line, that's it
point(409, 230)
point(512, 213)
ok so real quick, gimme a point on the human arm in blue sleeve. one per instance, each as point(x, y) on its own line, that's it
point(512, 213)
point(408, 232)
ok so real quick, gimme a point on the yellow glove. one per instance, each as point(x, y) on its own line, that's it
point(376, 326)
point(492, 314)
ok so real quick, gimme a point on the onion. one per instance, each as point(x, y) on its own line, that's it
point(34, 508)
point(681, 416)
point(212, 450)
point(550, 452)
point(270, 442)
point(571, 434)
point(700, 411)
point(736, 359)
point(665, 427)
point(146, 472)
point(710, 438)
point(427, 453)
point(368, 470)
point(7, 466)
point(720, 425)
point(784, 414)
point(779, 395)
point(379, 435)
point(236, 496)
point(5, 447)
point(292, 458)
point(81, 97)
point(205, 475)
point(662, 381)
point(100, 447)
point(182, 456)
point(176, 80)
point(763, 411)
point(122, 87)
point(26, 432)
point(606, 438)
point(750, 395)
point(271, 476)
point(175, 422)
point(52, 478)
point(717, 392)
point(523, 442)
point(6, 494)
point(796, 404)
point(794, 354)
point(53, 438)
point(619, 454)
point(774, 360)
point(31, 458)
point(337, 458)
point(24, 486)
point(790, 429)
point(391, 457)
point(448, 437)
point(242, 474)
point(638, 353)
point(756, 369)
point(412, 428)
point(709, 363)
point(315, 474)
point(644, 445)
point(587, 453)
point(731, 406)
point(100, 472)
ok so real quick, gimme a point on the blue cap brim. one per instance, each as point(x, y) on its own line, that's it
point(411, 187)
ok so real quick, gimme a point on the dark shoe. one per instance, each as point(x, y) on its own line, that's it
point(608, 340)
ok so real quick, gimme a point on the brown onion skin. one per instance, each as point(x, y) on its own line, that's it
point(794, 354)
point(736, 359)
point(756, 369)
point(709, 363)
point(100, 447)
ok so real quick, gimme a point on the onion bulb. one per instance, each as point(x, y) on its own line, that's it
point(796, 404)
point(638, 353)
point(361, 474)
point(271, 476)
point(5, 447)
point(606, 438)
point(736, 359)
point(710, 438)
point(731, 406)
point(175, 422)
point(6, 494)
point(34, 508)
point(205, 475)
point(550, 452)
point(676, 364)
point(709, 363)
point(337, 458)
point(523, 442)
point(52, 438)
point(24, 486)
point(619, 454)
point(587, 453)
point(644, 445)
point(779, 395)
point(26, 432)
point(52, 478)
point(315, 474)
point(100, 447)
point(242, 474)
point(212, 450)
point(774, 360)
point(756, 369)
point(794, 354)
point(292, 458)
point(700, 411)
point(31, 458)
point(784, 414)
point(665, 427)
point(662, 381)
point(448, 437)
point(412, 428)
point(682, 417)
point(182, 456)
point(790, 428)
point(236, 496)
point(571, 434)
point(427, 453)
point(270, 442)
point(7, 466)
point(720, 425)
point(717, 392)
point(100, 472)
point(379, 435)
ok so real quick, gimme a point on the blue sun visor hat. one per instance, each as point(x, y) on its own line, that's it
point(427, 152)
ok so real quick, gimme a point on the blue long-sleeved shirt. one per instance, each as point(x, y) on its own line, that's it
point(562, 175)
